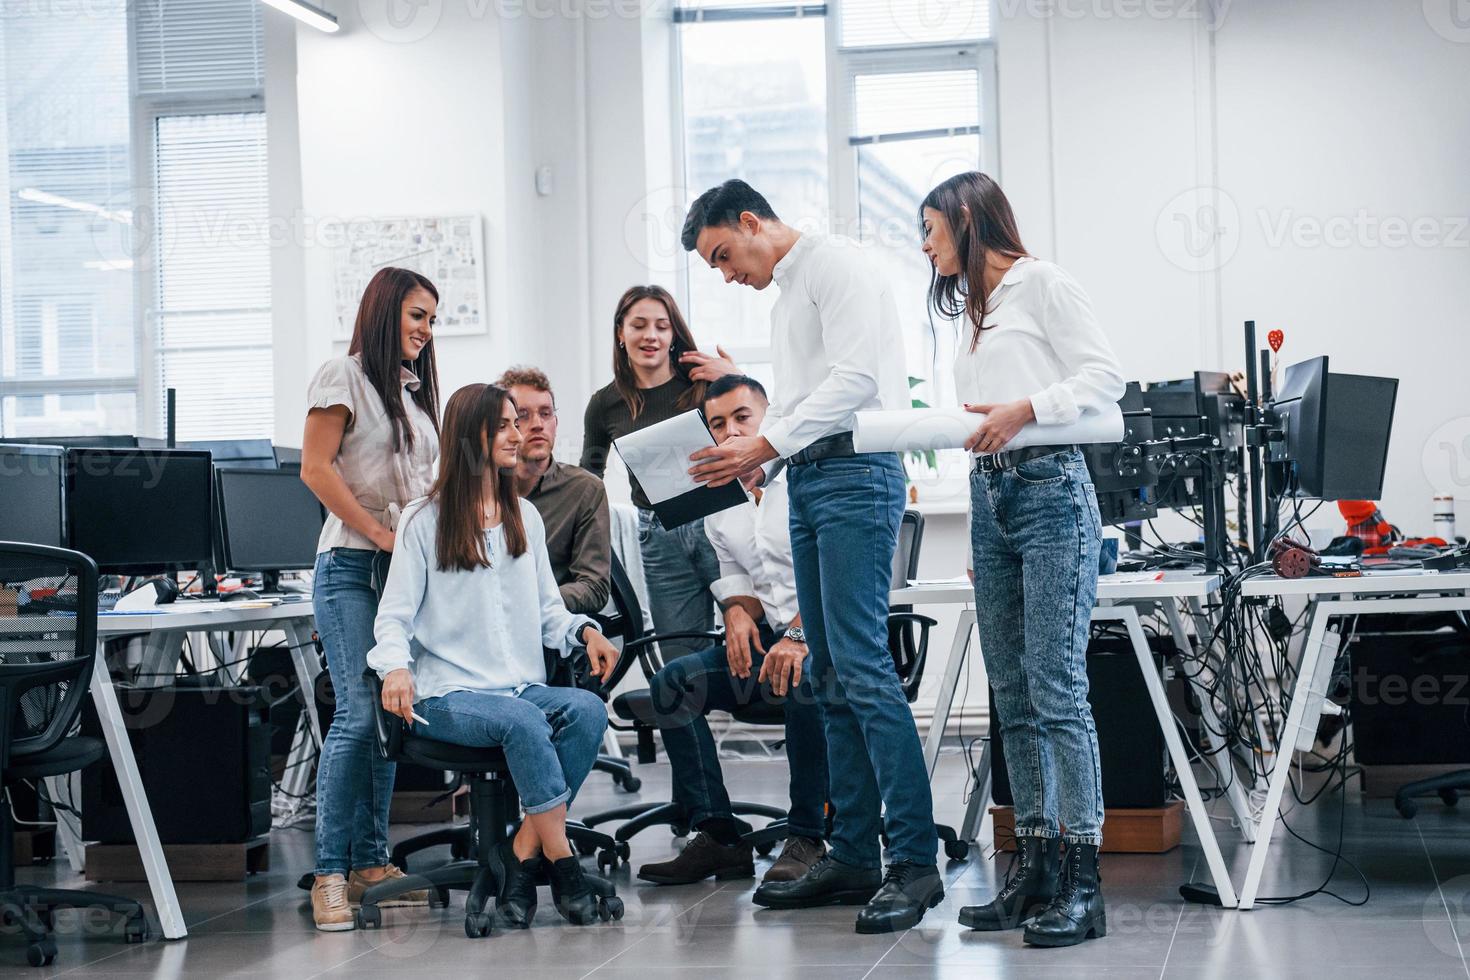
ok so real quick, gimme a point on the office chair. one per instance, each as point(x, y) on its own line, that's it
point(633, 711)
point(494, 815)
point(560, 672)
point(48, 649)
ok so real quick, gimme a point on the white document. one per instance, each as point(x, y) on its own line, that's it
point(659, 455)
point(948, 428)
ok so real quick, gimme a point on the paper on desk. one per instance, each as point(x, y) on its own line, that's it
point(659, 455)
point(948, 428)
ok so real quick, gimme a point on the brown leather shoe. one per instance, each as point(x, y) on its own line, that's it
point(797, 856)
point(702, 856)
point(357, 883)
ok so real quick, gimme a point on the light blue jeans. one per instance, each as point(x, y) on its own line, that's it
point(844, 528)
point(1036, 533)
point(354, 783)
point(550, 735)
point(679, 566)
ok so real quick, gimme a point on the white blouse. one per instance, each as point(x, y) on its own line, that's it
point(1041, 342)
point(382, 481)
point(481, 630)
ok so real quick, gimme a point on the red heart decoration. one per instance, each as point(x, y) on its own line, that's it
point(1275, 339)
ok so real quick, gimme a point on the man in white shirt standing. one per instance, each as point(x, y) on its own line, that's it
point(763, 660)
point(838, 349)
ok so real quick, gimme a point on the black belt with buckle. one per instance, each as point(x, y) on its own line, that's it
point(836, 446)
point(996, 462)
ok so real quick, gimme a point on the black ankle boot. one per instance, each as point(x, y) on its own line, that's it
point(1029, 889)
point(574, 895)
point(1076, 913)
point(516, 902)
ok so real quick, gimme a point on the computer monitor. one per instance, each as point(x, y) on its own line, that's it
point(33, 510)
point(1123, 473)
point(78, 442)
point(140, 511)
point(1298, 414)
point(1355, 450)
point(237, 452)
point(269, 520)
point(287, 456)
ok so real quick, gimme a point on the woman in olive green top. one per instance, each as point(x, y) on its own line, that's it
point(658, 373)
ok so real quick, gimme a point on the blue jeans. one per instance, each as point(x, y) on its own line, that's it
point(679, 566)
point(550, 735)
point(1036, 533)
point(845, 515)
point(689, 688)
point(354, 783)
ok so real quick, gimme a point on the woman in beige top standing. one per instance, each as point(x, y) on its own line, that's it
point(372, 436)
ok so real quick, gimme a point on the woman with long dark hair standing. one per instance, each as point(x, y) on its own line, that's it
point(469, 606)
point(653, 380)
point(1034, 353)
point(372, 435)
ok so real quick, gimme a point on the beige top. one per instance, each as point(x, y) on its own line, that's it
point(382, 481)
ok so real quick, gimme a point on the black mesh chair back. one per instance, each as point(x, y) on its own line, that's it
point(639, 644)
point(48, 641)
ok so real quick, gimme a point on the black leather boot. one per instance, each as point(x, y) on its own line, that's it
point(908, 891)
point(1076, 913)
point(575, 896)
point(829, 882)
point(1029, 889)
point(516, 902)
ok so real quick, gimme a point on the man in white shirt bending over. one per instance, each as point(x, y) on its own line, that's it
point(764, 659)
point(838, 349)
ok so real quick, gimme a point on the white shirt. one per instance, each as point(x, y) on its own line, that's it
point(753, 544)
point(836, 341)
point(481, 630)
point(382, 481)
point(1041, 341)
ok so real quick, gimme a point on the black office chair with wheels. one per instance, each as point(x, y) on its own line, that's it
point(633, 711)
point(494, 815)
point(48, 649)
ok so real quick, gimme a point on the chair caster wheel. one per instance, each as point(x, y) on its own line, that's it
point(1451, 797)
point(477, 925)
point(135, 931)
point(679, 829)
point(585, 848)
point(439, 898)
point(765, 848)
point(630, 784)
point(41, 953)
point(624, 851)
point(956, 850)
point(369, 917)
point(1407, 808)
point(606, 861)
point(610, 908)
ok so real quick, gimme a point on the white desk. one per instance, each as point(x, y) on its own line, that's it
point(1327, 598)
point(165, 629)
point(1118, 601)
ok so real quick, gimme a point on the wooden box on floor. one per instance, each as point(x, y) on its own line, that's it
point(419, 806)
point(1150, 831)
point(186, 862)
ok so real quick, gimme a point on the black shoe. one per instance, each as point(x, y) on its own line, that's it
point(516, 901)
point(1076, 914)
point(574, 895)
point(908, 891)
point(1028, 889)
point(702, 856)
point(829, 882)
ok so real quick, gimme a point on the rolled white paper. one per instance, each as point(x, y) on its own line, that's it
point(920, 429)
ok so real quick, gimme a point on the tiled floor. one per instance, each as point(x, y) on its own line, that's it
point(1414, 924)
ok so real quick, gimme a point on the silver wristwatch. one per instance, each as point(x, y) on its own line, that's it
point(796, 634)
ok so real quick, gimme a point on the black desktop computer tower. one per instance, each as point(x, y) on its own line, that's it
point(204, 757)
point(1410, 692)
point(1130, 744)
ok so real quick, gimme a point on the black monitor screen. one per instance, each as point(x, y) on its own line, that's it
point(237, 452)
point(32, 509)
point(1299, 411)
point(271, 520)
point(141, 511)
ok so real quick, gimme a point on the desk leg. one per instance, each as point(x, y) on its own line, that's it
point(67, 835)
point(975, 809)
point(297, 780)
point(1220, 758)
point(1206, 833)
point(1285, 746)
point(165, 902)
point(959, 650)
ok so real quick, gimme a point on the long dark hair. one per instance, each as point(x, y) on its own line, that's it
point(377, 337)
point(980, 222)
point(471, 419)
point(624, 377)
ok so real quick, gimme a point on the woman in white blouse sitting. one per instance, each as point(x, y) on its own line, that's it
point(469, 604)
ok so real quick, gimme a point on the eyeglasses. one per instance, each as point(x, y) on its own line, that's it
point(544, 414)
